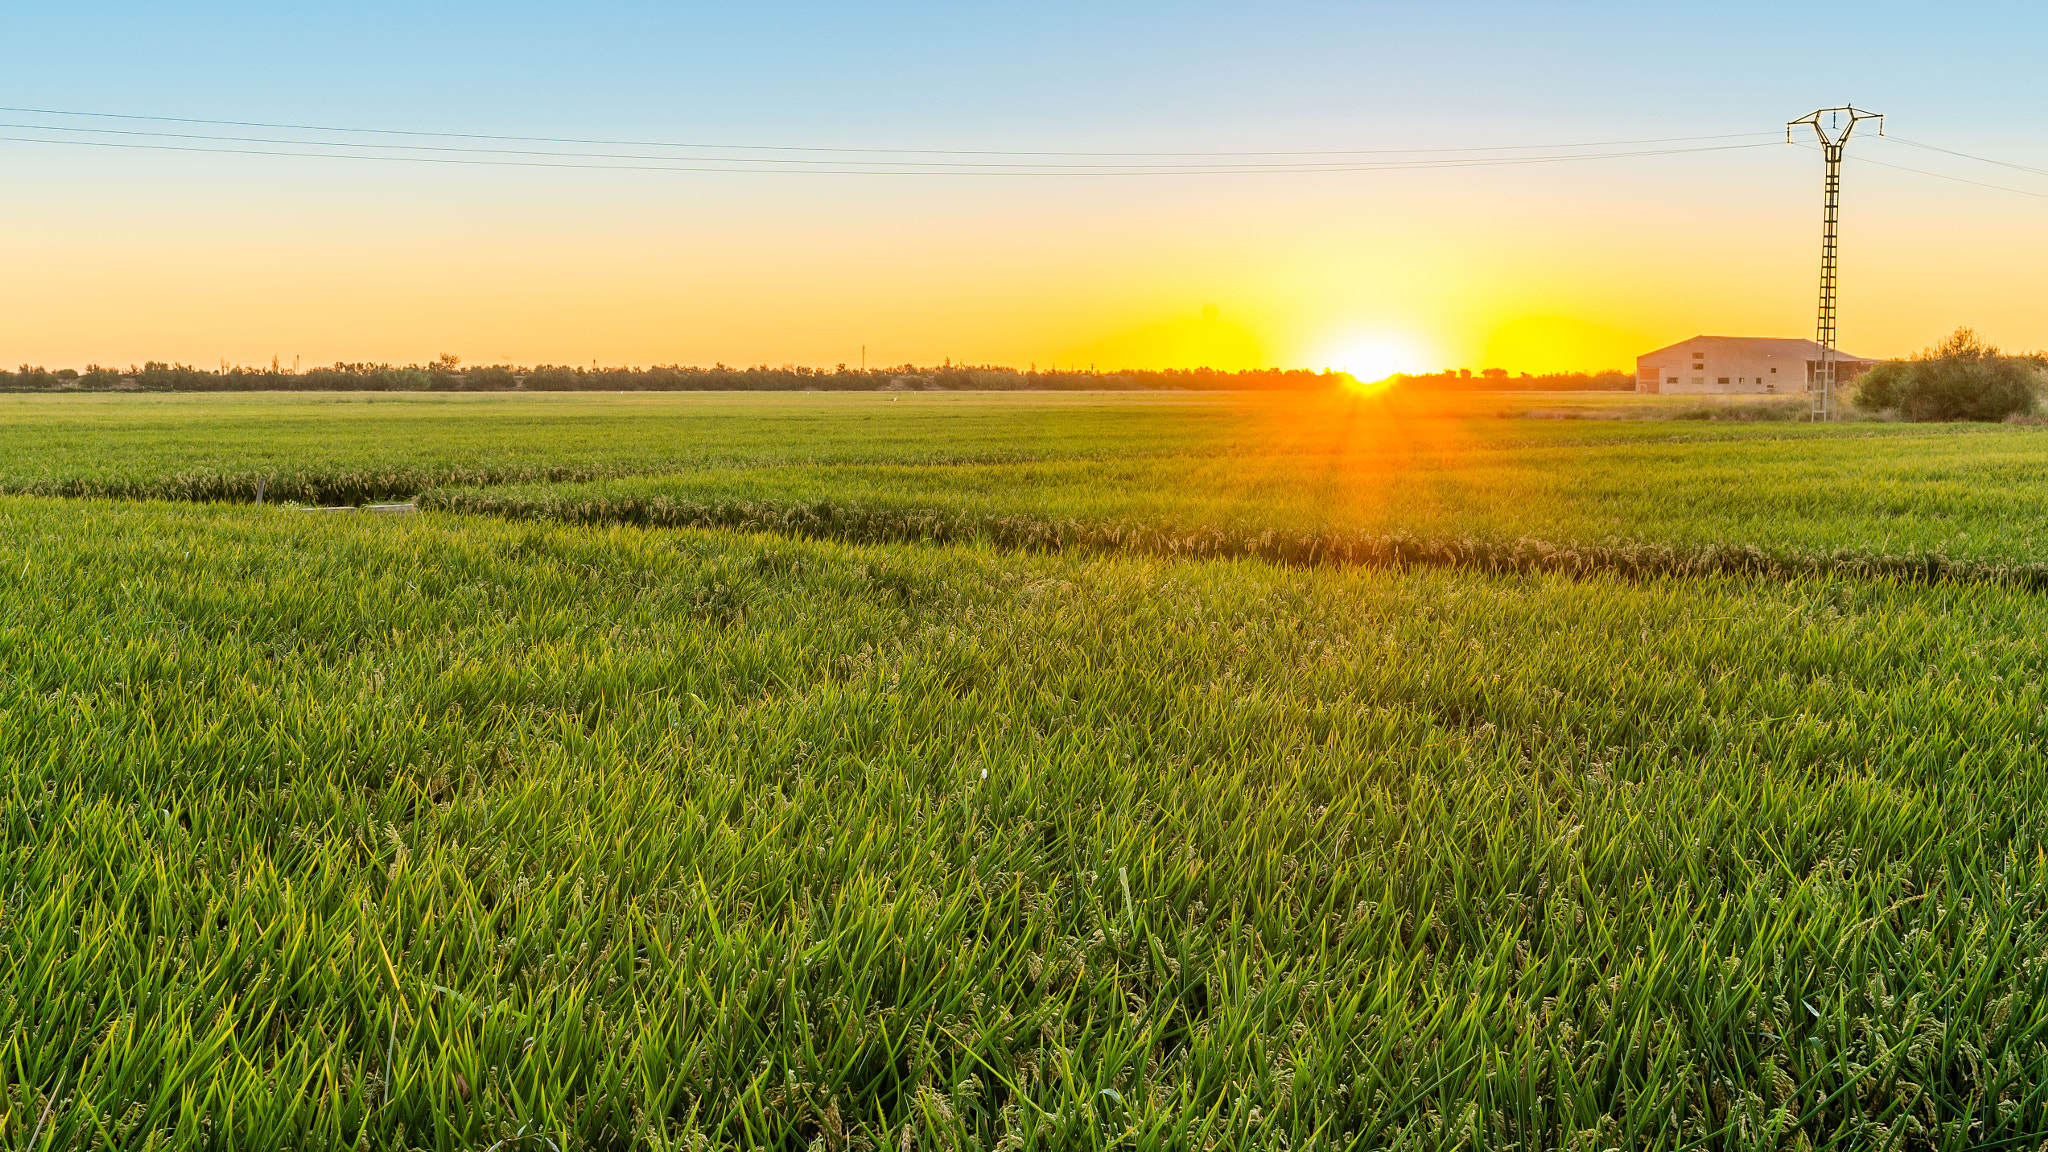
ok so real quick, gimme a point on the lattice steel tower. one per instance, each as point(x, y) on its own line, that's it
point(1834, 140)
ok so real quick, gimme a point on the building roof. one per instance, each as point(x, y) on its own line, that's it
point(1752, 346)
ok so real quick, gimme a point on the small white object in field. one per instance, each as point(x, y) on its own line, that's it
point(382, 509)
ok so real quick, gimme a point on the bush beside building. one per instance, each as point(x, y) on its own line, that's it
point(1962, 378)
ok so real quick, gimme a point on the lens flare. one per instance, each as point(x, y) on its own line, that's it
point(1373, 358)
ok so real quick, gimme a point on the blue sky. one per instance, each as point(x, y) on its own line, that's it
point(1038, 75)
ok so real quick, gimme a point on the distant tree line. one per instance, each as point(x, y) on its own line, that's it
point(1498, 380)
point(447, 374)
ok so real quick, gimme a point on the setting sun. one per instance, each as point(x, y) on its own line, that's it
point(1376, 357)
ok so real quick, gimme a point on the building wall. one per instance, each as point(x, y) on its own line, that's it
point(1762, 375)
point(1711, 367)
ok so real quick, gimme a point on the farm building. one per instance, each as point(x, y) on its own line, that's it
point(1740, 364)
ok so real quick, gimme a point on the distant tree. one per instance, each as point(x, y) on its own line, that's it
point(157, 376)
point(491, 378)
point(1961, 378)
point(445, 373)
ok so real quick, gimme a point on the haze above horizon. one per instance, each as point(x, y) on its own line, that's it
point(1649, 198)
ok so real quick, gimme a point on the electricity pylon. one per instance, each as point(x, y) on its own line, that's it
point(1834, 140)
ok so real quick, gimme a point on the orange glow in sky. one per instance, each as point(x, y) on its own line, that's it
point(115, 253)
point(745, 270)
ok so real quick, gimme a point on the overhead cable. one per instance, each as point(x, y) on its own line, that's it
point(1938, 175)
point(1967, 156)
point(1946, 176)
point(477, 158)
point(908, 165)
point(858, 151)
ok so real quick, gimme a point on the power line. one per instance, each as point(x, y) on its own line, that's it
point(1967, 156)
point(908, 165)
point(854, 168)
point(1941, 175)
point(1957, 179)
point(849, 151)
point(869, 161)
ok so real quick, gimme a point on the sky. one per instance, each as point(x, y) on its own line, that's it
point(118, 255)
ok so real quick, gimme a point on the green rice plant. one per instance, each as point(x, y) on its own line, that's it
point(1712, 823)
point(453, 831)
point(855, 523)
point(1935, 508)
point(1789, 409)
point(352, 448)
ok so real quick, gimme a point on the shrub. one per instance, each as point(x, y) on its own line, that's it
point(1962, 378)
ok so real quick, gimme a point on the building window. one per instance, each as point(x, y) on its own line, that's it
point(1722, 380)
point(1672, 380)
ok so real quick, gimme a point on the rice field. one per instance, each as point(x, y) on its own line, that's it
point(1953, 500)
point(514, 825)
point(347, 448)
